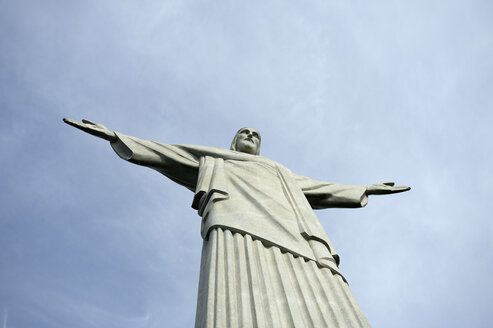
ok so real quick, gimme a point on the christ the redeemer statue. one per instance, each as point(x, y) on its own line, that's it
point(266, 260)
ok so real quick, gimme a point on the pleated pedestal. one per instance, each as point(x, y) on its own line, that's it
point(246, 284)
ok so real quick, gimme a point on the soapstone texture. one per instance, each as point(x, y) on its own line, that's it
point(266, 260)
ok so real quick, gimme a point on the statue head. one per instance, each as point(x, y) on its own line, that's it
point(246, 140)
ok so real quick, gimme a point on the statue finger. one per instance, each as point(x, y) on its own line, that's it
point(88, 122)
point(94, 124)
point(74, 123)
point(401, 188)
point(68, 120)
point(391, 184)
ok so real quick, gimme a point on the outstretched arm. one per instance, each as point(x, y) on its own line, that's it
point(174, 161)
point(93, 128)
point(326, 195)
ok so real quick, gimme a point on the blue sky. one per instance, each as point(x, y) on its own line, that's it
point(345, 91)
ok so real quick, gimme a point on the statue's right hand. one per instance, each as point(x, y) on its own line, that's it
point(93, 128)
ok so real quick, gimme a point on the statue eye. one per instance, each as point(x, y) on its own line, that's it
point(255, 134)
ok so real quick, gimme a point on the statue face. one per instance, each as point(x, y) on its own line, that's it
point(248, 141)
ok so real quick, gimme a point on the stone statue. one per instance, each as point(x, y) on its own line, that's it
point(266, 260)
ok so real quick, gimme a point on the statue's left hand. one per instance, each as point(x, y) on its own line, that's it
point(96, 129)
point(385, 188)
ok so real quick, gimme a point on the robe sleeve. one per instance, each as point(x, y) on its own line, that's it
point(328, 195)
point(176, 162)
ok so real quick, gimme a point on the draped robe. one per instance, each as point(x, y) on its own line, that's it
point(266, 260)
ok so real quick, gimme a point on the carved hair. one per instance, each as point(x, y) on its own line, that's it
point(233, 144)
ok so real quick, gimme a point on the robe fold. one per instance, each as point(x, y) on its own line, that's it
point(257, 224)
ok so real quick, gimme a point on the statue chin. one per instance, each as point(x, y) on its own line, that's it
point(247, 149)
